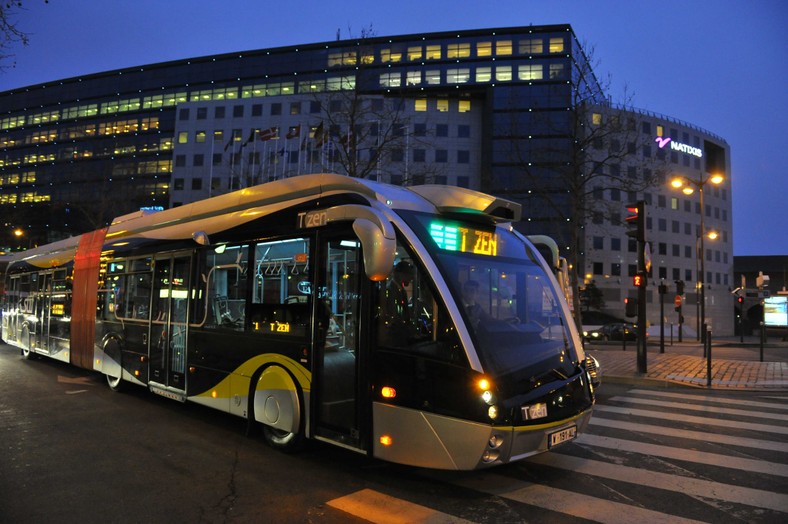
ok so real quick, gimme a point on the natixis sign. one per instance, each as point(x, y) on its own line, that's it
point(678, 146)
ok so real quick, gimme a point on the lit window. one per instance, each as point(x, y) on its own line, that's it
point(218, 135)
point(443, 105)
point(484, 49)
point(660, 131)
point(503, 73)
point(458, 76)
point(414, 78)
point(556, 45)
point(464, 106)
point(433, 77)
point(530, 72)
point(503, 48)
point(390, 80)
point(199, 137)
point(367, 59)
point(433, 52)
point(596, 119)
point(532, 46)
point(420, 104)
point(414, 53)
point(183, 137)
point(389, 55)
point(458, 50)
point(483, 74)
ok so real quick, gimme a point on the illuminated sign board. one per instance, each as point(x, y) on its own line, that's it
point(464, 239)
point(678, 146)
point(775, 311)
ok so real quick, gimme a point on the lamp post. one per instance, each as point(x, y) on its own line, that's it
point(687, 186)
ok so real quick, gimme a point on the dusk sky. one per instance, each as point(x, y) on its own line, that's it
point(720, 65)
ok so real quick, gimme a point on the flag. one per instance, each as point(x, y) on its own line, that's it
point(294, 132)
point(320, 135)
point(251, 137)
point(345, 140)
point(228, 144)
point(268, 134)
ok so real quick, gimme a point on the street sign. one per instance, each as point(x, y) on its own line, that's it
point(677, 301)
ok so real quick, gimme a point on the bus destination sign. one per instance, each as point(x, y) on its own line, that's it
point(464, 239)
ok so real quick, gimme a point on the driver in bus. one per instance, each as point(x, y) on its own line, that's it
point(470, 299)
point(395, 305)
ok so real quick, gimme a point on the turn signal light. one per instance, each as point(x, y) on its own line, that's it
point(388, 392)
point(386, 440)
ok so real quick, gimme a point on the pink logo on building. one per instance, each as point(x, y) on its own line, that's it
point(662, 141)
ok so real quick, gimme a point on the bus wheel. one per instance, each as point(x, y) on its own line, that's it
point(27, 352)
point(277, 406)
point(114, 383)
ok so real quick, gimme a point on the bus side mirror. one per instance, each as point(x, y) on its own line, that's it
point(377, 248)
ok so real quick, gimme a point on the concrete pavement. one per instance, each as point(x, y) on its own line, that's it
point(734, 365)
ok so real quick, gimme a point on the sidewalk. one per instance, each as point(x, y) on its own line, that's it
point(734, 365)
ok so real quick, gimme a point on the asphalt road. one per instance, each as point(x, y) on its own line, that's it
point(74, 451)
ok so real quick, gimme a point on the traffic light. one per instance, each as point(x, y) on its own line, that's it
point(639, 280)
point(631, 307)
point(636, 220)
point(740, 301)
point(679, 287)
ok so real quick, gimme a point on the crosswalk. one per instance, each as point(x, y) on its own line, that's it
point(647, 456)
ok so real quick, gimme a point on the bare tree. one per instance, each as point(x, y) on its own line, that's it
point(364, 133)
point(577, 155)
point(10, 33)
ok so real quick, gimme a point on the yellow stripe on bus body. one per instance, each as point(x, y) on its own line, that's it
point(231, 385)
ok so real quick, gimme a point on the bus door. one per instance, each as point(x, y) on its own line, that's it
point(41, 331)
point(167, 341)
point(337, 360)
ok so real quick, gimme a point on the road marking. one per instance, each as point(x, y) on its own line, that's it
point(687, 455)
point(720, 400)
point(677, 417)
point(76, 391)
point(566, 502)
point(82, 381)
point(689, 434)
point(693, 487)
point(702, 407)
point(383, 509)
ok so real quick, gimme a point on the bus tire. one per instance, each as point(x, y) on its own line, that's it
point(114, 383)
point(274, 395)
point(27, 351)
point(114, 380)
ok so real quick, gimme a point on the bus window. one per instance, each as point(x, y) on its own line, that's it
point(282, 288)
point(409, 318)
point(226, 282)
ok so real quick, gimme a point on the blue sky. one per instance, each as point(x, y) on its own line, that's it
point(721, 65)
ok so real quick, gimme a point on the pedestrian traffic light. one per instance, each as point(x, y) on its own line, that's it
point(636, 220)
point(639, 279)
point(740, 301)
point(631, 307)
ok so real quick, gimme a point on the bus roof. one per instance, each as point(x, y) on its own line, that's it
point(224, 211)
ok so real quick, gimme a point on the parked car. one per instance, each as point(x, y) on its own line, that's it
point(614, 331)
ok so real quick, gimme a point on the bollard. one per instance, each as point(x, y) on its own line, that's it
point(761, 337)
point(707, 349)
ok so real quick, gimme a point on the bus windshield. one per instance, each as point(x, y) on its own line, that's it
point(510, 306)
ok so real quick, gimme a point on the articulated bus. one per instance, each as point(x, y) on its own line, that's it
point(414, 325)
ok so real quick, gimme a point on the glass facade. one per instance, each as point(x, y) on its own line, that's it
point(490, 109)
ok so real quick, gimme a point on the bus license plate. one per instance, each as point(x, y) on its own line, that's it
point(559, 437)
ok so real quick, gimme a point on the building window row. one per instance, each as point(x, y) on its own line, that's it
point(479, 74)
point(528, 46)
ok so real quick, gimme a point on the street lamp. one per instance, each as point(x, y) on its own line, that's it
point(688, 186)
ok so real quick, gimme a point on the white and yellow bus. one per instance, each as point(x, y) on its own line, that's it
point(414, 324)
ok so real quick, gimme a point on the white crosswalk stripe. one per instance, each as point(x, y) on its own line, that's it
point(646, 456)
